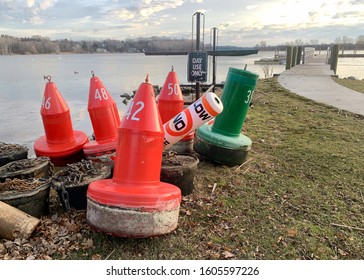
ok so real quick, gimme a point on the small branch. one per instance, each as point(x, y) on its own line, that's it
point(348, 227)
point(246, 170)
point(213, 188)
point(241, 165)
point(110, 254)
point(210, 88)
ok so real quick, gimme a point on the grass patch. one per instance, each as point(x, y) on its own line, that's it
point(357, 85)
point(305, 172)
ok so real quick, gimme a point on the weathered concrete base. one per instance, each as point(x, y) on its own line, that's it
point(131, 222)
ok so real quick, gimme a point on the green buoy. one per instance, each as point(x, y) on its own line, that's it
point(222, 140)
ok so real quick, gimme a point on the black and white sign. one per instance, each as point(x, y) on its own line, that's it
point(197, 67)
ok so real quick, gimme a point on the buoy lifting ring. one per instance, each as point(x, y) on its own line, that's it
point(48, 77)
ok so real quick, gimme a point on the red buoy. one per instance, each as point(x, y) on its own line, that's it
point(105, 121)
point(170, 99)
point(134, 203)
point(60, 143)
point(170, 103)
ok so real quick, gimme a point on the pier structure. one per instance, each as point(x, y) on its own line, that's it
point(313, 80)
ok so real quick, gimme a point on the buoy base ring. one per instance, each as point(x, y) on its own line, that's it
point(94, 146)
point(62, 154)
point(100, 151)
point(220, 148)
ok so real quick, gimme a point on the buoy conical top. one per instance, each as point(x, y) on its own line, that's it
point(142, 113)
point(170, 99)
point(103, 112)
point(54, 110)
point(134, 203)
point(104, 117)
point(140, 160)
point(60, 143)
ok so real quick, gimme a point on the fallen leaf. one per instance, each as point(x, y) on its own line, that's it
point(291, 232)
point(2, 249)
point(88, 244)
point(96, 257)
point(228, 255)
point(280, 239)
point(342, 252)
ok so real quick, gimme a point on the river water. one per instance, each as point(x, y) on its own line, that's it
point(22, 83)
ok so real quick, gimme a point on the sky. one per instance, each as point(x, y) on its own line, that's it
point(243, 23)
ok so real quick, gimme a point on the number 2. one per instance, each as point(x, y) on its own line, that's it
point(137, 111)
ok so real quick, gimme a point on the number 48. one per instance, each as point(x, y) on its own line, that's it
point(101, 96)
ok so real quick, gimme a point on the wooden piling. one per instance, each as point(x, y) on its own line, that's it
point(299, 54)
point(334, 57)
point(289, 57)
point(294, 56)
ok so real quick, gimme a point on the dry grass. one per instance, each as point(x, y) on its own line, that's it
point(303, 177)
point(357, 85)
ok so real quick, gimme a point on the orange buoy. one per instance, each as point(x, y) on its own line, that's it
point(60, 143)
point(134, 203)
point(170, 103)
point(105, 121)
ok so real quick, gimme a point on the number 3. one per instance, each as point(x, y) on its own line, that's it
point(249, 97)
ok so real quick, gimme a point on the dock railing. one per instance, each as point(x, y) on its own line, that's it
point(308, 54)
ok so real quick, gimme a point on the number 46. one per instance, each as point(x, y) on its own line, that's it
point(46, 104)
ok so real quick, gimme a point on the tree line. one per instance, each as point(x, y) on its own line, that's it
point(346, 43)
point(43, 45)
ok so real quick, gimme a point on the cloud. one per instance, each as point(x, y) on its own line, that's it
point(145, 10)
point(251, 7)
point(31, 11)
point(46, 4)
point(30, 3)
point(237, 20)
point(354, 15)
point(124, 14)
